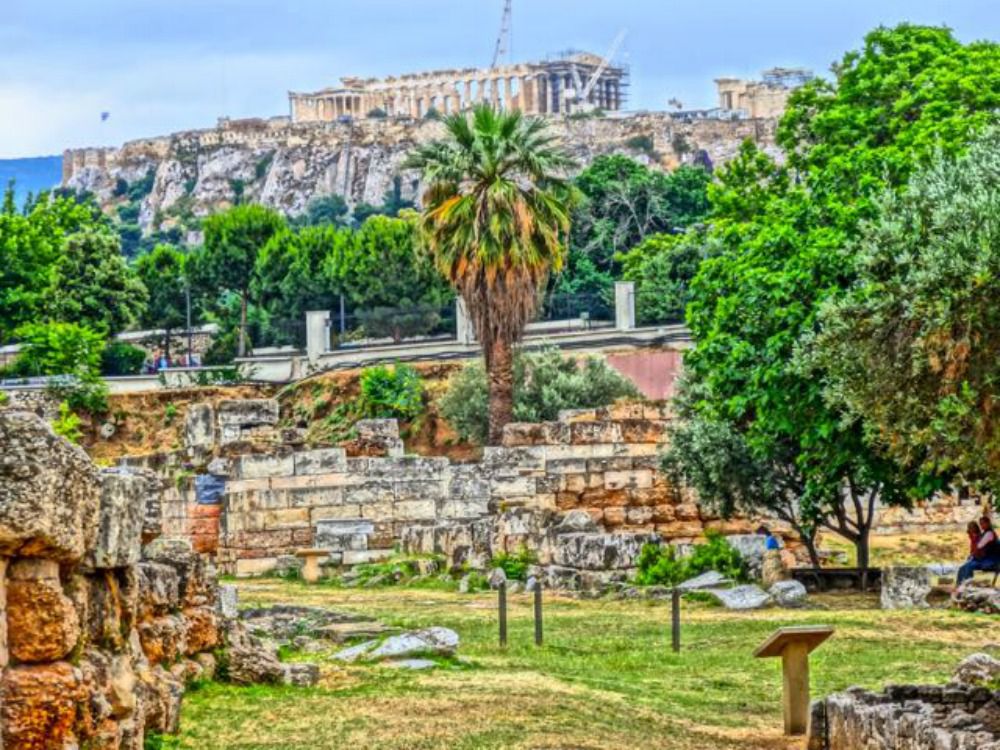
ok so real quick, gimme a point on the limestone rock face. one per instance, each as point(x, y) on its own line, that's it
point(974, 598)
point(39, 706)
point(42, 622)
point(977, 669)
point(49, 492)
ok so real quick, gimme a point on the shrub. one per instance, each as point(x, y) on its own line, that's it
point(67, 424)
point(544, 384)
point(70, 352)
point(119, 358)
point(399, 323)
point(660, 564)
point(390, 392)
point(516, 564)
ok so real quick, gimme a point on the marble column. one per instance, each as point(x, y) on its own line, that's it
point(495, 96)
point(508, 94)
point(467, 102)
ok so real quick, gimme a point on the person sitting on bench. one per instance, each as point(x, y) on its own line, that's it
point(974, 533)
point(985, 556)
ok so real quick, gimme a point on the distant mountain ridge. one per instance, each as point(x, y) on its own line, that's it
point(30, 175)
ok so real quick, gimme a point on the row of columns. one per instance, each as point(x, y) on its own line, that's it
point(532, 94)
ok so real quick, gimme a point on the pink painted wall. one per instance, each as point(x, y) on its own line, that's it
point(654, 373)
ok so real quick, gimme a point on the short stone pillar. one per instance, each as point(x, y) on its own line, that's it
point(905, 587)
point(311, 557)
point(317, 334)
point(464, 332)
point(794, 645)
point(624, 305)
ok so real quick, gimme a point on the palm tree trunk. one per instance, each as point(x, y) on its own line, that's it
point(500, 373)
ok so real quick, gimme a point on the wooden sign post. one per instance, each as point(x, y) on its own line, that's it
point(794, 645)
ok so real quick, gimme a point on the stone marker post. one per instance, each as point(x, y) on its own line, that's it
point(794, 645)
point(317, 334)
point(624, 305)
point(502, 601)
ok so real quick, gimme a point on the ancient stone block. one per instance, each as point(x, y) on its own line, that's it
point(905, 587)
point(110, 608)
point(248, 412)
point(415, 510)
point(323, 461)
point(642, 431)
point(590, 433)
point(589, 551)
point(159, 589)
point(262, 465)
point(328, 512)
point(162, 693)
point(315, 498)
point(377, 429)
point(202, 633)
point(340, 535)
point(163, 638)
point(39, 706)
point(121, 519)
point(199, 426)
point(508, 487)
point(618, 480)
point(49, 492)
point(4, 653)
point(42, 622)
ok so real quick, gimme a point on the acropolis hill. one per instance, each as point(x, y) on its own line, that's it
point(351, 140)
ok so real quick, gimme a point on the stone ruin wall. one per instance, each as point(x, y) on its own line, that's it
point(284, 165)
point(103, 621)
point(584, 493)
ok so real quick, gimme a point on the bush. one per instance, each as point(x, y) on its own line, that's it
point(544, 384)
point(67, 424)
point(390, 392)
point(120, 358)
point(70, 352)
point(516, 564)
point(399, 323)
point(660, 564)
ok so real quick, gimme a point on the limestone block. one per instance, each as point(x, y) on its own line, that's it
point(286, 518)
point(4, 653)
point(638, 516)
point(507, 487)
point(199, 426)
point(341, 535)
point(376, 429)
point(262, 465)
point(664, 513)
point(409, 468)
point(328, 512)
point(49, 492)
point(905, 587)
point(228, 602)
point(643, 431)
point(535, 433)
point(371, 493)
point(615, 463)
point(467, 483)
point(636, 480)
point(500, 461)
point(202, 631)
point(106, 604)
point(39, 706)
point(590, 551)
point(614, 517)
point(591, 433)
point(248, 412)
point(121, 520)
point(455, 509)
point(196, 576)
point(42, 623)
point(358, 557)
point(162, 693)
point(418, 490)
point(163, 638)
point(323, 461)
point(159, 589)
point(414, 510)
point(566, 466)
point(315, 498)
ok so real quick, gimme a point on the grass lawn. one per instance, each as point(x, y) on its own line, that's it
point(605, 677)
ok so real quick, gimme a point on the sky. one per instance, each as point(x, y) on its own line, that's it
point(158, 66)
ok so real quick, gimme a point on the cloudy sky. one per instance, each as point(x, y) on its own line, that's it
point(164, 65)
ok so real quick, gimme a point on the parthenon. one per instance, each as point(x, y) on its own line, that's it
point(571, 82)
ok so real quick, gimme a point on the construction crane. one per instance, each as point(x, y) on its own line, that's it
point(579, 97)
point(502, 48)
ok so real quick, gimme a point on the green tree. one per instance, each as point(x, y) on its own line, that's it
point(786, 251)
point(496, 217)
point(162, 272)
point(914, 346)
point(233, 240)
point(662, 267)
point(382, 266)
point(71, 352)
point(323, 210)
point(624, 202)
point(93, 285)
point(31, 243)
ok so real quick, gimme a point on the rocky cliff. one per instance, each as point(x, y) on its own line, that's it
point(285, 165)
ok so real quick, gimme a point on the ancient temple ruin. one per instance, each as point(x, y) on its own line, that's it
point(764, 98)
point(568, 83)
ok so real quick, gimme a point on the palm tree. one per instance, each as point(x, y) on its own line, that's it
point(496, 219)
